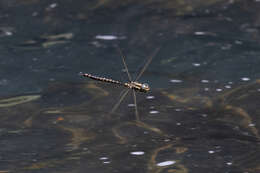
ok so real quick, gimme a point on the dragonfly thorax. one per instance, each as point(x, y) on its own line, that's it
point(142, 87)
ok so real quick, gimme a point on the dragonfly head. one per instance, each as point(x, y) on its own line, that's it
point(145, 87)
point(142, 87)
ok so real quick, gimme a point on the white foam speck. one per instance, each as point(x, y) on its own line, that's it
point(106, 37)
point(103, 158)
point(204, 115)
point(52, 79)
point(245, 79)
point(176, 81)
point(35, 14)
point(8, 33)
point(150, 97)
point(211, 152)
point(137, 153)
point(178, 124)
point(53, 5)
point(226, 46)
point(166, 163)
point(199, 33)
point(251, 125)
point(196, 64)
point(131, 105)
point(229, 163)
point(204, 81)
point(206, 89)
point(106, 162)
point(218, 89)
point(238, 42)
point(154, 112)
point(227, 86)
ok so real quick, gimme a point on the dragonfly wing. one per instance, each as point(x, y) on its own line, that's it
point(119, 101)
point(136, 110)
point(149, 60)
point(123, 59)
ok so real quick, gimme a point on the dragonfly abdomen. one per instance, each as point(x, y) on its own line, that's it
point(101, 78)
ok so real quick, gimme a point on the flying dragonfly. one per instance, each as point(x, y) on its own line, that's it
point(132, 85)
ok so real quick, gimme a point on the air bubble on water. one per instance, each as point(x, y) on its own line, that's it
point(204, 115)
point(227, 86)
point(53, 5)
point(229, 163)
point(150, 97)
point(103, 158)
point(175, 81)
point(166, 163)
point(200, 33)
point(137, 153)
point(251, 125)
point(238, 42)
point(204, 81)
point(131, 105)
point(108, 37)
point(245, 79)
point(154, 112)
point(196, 64)
point(218, 89)
point(8, 33)
point(211, 152)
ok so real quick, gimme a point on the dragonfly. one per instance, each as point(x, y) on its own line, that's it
point(131, 85)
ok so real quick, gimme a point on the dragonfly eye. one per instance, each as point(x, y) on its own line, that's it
point(145, 86)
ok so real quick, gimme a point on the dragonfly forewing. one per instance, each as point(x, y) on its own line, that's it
point(149, 60)
point(126, 68)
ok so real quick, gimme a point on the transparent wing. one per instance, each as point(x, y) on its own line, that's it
point(149, 60)
point(125, 92)
point(136, 110)
point(123, 59)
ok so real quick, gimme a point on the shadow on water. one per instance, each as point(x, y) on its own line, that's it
point(201, 115)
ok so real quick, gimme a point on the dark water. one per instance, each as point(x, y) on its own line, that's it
point(201, 114)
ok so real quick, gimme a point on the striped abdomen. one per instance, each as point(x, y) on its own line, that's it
point(101, 78)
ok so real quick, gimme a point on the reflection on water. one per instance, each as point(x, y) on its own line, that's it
point(201, 115)
point(194, 132)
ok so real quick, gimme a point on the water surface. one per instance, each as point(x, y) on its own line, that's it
point(200, 116)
